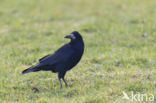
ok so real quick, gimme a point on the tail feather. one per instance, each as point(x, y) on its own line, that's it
point(31, 69)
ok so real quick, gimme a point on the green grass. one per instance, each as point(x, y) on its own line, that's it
point(120, 49)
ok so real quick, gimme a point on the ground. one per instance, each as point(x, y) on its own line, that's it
point(120, 49)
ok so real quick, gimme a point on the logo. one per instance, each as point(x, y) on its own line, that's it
point(138, 97)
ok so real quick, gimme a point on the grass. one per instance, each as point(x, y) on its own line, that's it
point(120, 49)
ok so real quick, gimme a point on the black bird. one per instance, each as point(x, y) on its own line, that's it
point(63, 59)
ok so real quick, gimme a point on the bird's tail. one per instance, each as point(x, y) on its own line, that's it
point(31, 69)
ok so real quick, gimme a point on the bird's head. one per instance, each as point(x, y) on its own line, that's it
point(74, 36)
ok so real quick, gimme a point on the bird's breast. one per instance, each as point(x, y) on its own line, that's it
point(74, 60)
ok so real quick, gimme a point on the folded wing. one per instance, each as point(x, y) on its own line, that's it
point(61, 55)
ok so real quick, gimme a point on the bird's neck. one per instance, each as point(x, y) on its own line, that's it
point(77, 44)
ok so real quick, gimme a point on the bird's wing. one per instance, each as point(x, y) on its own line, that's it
point(61, 55)
point(43, 57)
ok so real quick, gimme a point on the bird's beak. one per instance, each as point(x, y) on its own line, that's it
point(71, 36)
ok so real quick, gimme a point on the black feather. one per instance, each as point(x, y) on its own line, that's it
point(63, 59)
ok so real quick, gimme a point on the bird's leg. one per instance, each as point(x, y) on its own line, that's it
point(65, 82)
point(61, 75)
point(60, 82)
